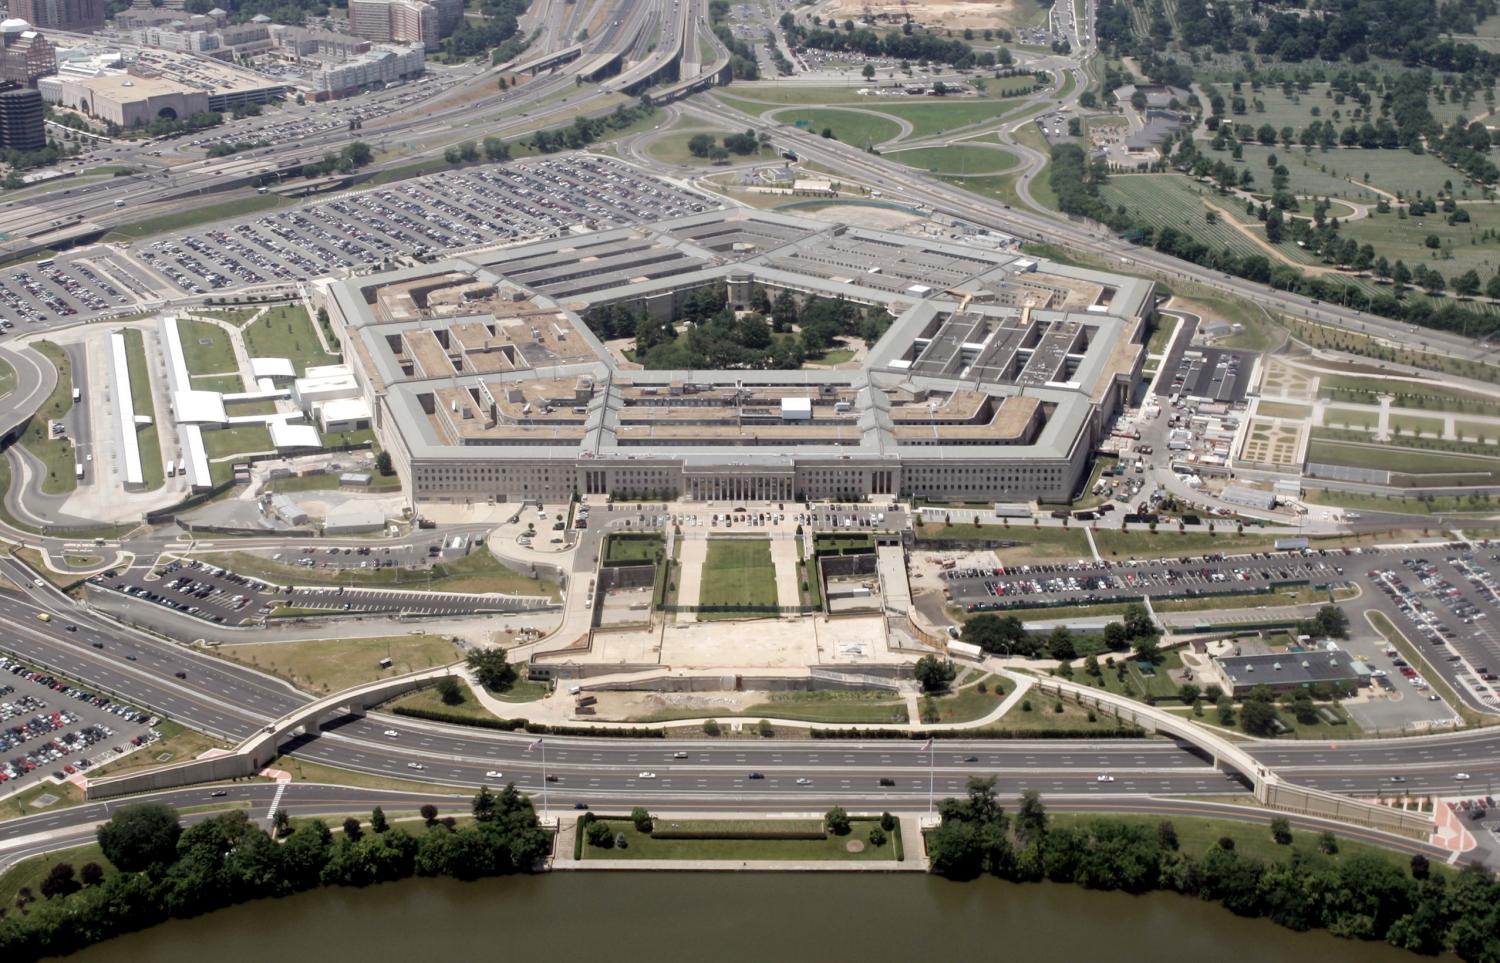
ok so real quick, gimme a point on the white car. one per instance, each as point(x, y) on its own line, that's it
point(804, 781)
point(679, 755)
point(392, 733)
point(1462, 776)
point(1104, 777)
point(494, 774)
point(414, 765)
point(647, 775)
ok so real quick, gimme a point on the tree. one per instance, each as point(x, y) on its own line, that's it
point(491, 668)
point(141, 836)
point(1060, 644)
point(59, 881)
point(281, 823)
point(352, 830)
point(1258, 718)
point(598, 834)
point(710, 727)
point(1166, 835)
point(484, 806)
point(641, 818)
point(1138, 622)
point(378, 823)
point(92, 874)
point(933, 673)
point(1146, 651)
point(1281, 831)
point(868, 71)
point(1420, 868)
point(1031, 817)
point(837, 821)
point(383, 463)
point(1328, 622)
point(877, 837)
point(449, 691)
point(429, 814)
point(1114, 637)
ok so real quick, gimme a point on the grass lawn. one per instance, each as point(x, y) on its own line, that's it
point(1348, 417)
point(56, 454)
point(206, 348)
point(673, 148)
point(998, 187)
point(178, 743)
point(286, 331)
point(1033, 542)
point(1319, 730)
point(1389, 503)
point(328, 482)
point(1415, 425)
point(303, 771)
point(956, 159)
point(643, 846)
point(23, 803)
point(196, 216)
point(1196, 835)
point(479, 571)
point(29, 873)
point(148, 437)
point(1474, 469)
point(1277, 409)
point(235, 316)
point(931, 117)
point(239, 440)
point(7, 379)
point(848, 126)
point(632, 548)
point(966, 703)
point(223, 384)
point(1302, 595)
point(331, 665)
point(737, 572)
point(1044, 716)
point(863, 707)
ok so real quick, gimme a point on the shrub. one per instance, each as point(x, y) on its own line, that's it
point(877, 836)
point(887, 822)
point(598, 834)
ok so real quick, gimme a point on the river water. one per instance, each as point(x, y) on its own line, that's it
point(571, 917)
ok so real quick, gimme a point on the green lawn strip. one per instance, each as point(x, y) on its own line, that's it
point(673, 148)
point(479, 572)
point(7, 378)
point(1389, 457)
point(937, 117)
point(1349, 417)
point(1486, 432)
point(1196, 835)
point(56, 454)
point(848, 126)
point(620, 547)
point(999, 187)
point(148, 437)
point(205, 347)
point(865, 707)
point(286, 331)
point(195, 216)
point(1041, 185)
point(737, 572)
point(304, 771)
point(24, 803)
point(1428, 505)
point(1413, 653)
point(1043, 716)
point(1413, 425)
point(223, 383)
point(1317, 731)
point(1031, 542)
point(644, 846)
point(956, 159)
point(178, 743)
point(1276, 409)
point(235, 316)
point(966, 704)
point(328, 481)
point(332, 665)
point(29, 873)
point(238, 440)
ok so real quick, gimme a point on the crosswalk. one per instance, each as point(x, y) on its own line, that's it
point(276, 799)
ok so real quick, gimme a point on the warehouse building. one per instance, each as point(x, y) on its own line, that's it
point(1288, 671)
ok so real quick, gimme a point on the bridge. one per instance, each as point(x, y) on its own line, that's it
point(255, 753)
point(1270, 790)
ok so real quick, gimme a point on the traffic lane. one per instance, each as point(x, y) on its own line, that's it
point(78, 424)
point(431, 740)
point(96, 638)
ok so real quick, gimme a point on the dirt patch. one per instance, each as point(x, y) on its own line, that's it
point(854, 846)
point(861, 215)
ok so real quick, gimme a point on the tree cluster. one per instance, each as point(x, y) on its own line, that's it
point(1360, 896)
point(166, 871)
point(585, 130)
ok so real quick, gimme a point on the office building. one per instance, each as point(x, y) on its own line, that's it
point(22, 120)
point(25, 55)
point(405, 21)
point(75, 16)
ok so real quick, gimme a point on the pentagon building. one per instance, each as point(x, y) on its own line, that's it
point(995, 381)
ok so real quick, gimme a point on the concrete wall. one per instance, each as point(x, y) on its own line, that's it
point(232, 766)
point(1313, 802)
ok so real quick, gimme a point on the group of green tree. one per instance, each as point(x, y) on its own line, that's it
point(497, 28)
point(1077, 181)
point(227, 149)
point(1410, 32)
point(913, 46)
point(491, 669)
point(742, 62)
point(491, 149)
point(585, 130)
point(1007, 635)
point(164, 871)
point(347, 159)
point(1357, 896)
point(168, 127)
point(748, 142)
point(718, 338)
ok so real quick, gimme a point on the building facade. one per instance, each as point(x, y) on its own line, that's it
point(405, 21)
point(75, 16)
point(22, 120)
point(485, 382)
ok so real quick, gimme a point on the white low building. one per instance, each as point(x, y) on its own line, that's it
point(279, 370)
point(344, 414)
point(349, 519)
point(288, 437)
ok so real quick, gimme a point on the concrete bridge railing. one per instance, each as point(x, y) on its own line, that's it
point(256, 752)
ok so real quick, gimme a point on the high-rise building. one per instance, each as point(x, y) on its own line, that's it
point(405, 21)
point(25, 55)
point(22, 117)
point(75, 15)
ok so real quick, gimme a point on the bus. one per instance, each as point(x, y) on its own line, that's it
point(45, 264)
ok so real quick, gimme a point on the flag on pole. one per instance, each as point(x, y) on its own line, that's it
point(539, 742)
point(925, 746)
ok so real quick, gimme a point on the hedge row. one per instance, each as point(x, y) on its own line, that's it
point(769, 833)
point(535, 728)
point(1119, 732)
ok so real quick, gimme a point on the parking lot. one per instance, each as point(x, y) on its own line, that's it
point(427, 216)
point(225, 598)
point(52, 290)
point(1213, 374)
point(1450, 604)
point(49, 728)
